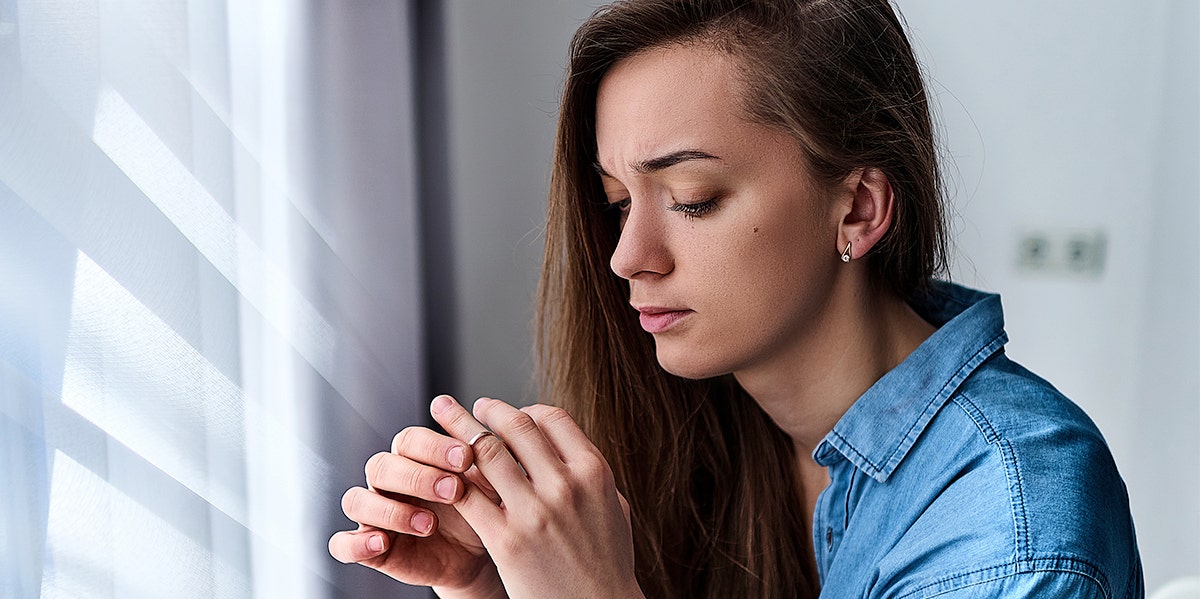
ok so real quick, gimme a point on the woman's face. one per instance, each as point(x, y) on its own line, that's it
point(728, 248)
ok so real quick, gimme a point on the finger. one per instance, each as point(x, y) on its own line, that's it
point(488, 454)
point(398, 474)
point(523, 437)
point(482, 511)
point(372, 509)
point(475, 477)
point(428, 447)
point(350, 546)
point(563, 432)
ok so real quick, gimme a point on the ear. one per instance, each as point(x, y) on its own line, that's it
point(867, 215)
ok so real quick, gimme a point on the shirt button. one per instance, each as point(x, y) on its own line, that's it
point(828, 539)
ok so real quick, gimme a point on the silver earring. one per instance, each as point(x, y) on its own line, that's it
point(846, 253)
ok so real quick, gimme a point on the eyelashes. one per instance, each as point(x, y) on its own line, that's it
point(695, 209)
point(618, 206)
point(688, 210)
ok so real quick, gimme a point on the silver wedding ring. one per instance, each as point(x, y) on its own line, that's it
point(479, 436)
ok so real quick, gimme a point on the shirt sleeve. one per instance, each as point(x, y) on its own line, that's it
point(1050, 584)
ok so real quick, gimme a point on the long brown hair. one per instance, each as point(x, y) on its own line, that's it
point(711, 480)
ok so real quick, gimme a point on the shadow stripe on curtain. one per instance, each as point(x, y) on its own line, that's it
point(209, 291)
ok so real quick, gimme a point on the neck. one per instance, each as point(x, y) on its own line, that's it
point(808, 385)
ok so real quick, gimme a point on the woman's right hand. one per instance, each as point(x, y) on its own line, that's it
point(408, 528)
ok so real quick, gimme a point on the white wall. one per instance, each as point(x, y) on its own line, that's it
point(1165, 473)
point(1083, 116)
point(1057, 117)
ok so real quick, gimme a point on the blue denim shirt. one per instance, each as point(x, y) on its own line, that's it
point(961, 474)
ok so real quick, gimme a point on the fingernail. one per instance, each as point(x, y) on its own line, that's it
point(457, 456)
point(445, 488)
point(375, 543)
point(422, 522)
point(440, 403)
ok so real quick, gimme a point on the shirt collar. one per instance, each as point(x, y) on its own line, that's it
point(883, 424)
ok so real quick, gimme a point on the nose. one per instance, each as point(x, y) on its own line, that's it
point(642, 248)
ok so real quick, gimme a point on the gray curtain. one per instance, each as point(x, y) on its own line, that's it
point(210, 290)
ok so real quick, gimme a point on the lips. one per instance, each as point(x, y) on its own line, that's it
point(659, 320)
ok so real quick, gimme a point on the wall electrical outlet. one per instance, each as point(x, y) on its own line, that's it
point(1076, 252)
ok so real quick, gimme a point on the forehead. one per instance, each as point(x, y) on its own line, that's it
point(665, 99)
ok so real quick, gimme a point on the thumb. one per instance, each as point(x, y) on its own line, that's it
point(360, 545)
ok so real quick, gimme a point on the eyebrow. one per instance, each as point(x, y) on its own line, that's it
point(652, 165)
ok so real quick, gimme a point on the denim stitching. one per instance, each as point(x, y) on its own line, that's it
point(1067, 565)
point(1012, 473)
point(976, 415)
point(844, 446)
point(1016, 485)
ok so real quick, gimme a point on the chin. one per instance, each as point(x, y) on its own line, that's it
point(692, 365)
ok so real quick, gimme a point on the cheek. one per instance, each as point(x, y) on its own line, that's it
point(777, 276)
point(777, 255)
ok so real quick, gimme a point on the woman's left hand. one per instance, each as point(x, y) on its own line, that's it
point(560, 529)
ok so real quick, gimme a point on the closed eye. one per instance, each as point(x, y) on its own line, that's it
point(619, 205)
point(695, 209)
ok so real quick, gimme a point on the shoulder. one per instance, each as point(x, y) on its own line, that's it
point(1057, 468)
point(1017, 487)
point(1005, 416)
point(1004, 413)
point(1059, 579)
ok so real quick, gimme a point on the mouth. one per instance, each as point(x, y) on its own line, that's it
point(656, 319)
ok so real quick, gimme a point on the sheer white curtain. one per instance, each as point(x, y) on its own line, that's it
point(209, 295)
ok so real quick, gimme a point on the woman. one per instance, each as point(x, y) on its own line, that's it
point(738, 308)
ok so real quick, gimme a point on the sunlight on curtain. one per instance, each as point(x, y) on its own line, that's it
point(90, 533)
point(129, 374)
point(195, 359)
point(133, 147)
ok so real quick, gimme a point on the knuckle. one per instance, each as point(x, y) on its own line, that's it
point(561, 492)
point(554, 415)
point(526, 536)
point(595, 473)
point(377, 467)
point(536, 523)
point(537, 410)
point(454, 421)
point(415, 481)
point(488, 449)
point(513, 546)
point(519, 423)
point(587, 467)
point(422, 445)
point(403, 440)
point(390, 515)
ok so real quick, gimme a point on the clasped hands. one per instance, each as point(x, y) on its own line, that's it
point(531, 511)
